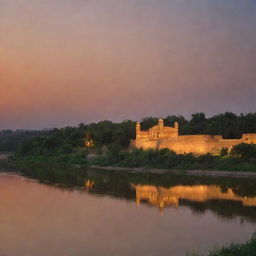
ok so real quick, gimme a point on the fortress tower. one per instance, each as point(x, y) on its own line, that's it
point(160, 123)
point(137, 130)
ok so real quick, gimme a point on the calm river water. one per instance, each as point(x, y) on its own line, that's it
point(73, 212)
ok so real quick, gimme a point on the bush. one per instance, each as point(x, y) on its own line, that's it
point(246, 249)
point(244, 151)
point(224, 152)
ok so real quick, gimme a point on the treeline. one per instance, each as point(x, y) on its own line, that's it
point(229, 125)
point(106, 133)
point(11, 140)
point(71, 139)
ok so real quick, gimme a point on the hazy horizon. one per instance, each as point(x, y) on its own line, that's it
point(63, 62)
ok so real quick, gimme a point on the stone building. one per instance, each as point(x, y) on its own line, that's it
point(160, 136)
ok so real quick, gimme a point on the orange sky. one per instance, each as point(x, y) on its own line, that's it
point(65, 61)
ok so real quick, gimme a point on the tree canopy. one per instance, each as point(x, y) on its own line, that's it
point(68, 139)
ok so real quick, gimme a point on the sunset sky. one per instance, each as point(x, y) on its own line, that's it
point(63, 62)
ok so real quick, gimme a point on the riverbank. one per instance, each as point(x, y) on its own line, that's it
point(235, 249)
point(204, 170)
point(201, 166)
point(168, 160)
point(148, 160)
point(214, 173)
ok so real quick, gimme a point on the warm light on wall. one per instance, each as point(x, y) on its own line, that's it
point(160, 137)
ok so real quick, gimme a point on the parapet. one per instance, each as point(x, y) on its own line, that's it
point(249, 136)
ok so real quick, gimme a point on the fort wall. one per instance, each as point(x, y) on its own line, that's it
point(159, 137)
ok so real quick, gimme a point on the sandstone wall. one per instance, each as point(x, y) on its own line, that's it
point(197, 144)
point(159, 137)
point(146, 144)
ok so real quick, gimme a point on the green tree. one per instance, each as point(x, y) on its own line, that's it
point(244, 151)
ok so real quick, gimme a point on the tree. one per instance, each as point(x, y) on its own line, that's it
point(148, 122)
point(244, 151)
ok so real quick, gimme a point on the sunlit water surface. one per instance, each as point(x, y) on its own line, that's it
point(39, 219)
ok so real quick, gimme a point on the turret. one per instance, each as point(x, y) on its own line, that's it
point(160, 123)
point(137, 130)
point(176, 127)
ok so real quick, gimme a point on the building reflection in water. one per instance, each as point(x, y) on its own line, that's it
point(89, 184)
point(163, 197)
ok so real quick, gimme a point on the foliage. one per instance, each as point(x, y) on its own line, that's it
point(229, 125)
point(244, 151)
point(69, 140)
point(246, 249)
point(224, 152)
point(148, 122)
point(11, 140)
point(78, 157)
point(167, 159)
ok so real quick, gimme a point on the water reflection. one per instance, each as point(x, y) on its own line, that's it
point(77, 211)
point(225, 197)
point(163, 197)
point(89, 184)
point(223, 202)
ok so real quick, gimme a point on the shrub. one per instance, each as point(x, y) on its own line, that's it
point(224, 152)
point(244, 151)
point(246, 249)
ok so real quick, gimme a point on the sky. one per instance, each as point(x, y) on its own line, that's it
point(63, 62)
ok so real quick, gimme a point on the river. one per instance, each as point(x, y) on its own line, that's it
point(57, 211)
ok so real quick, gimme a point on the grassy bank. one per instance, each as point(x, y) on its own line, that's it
point(166, 159)
point(241, 157)
point(245, 249)
point(159, 159)
point(78, 157)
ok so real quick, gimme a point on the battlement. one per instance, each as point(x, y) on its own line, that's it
point(160, 136)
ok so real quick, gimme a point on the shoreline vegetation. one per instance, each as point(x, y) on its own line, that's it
point(240, 162)
point(107, 144)
point(234, 249)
